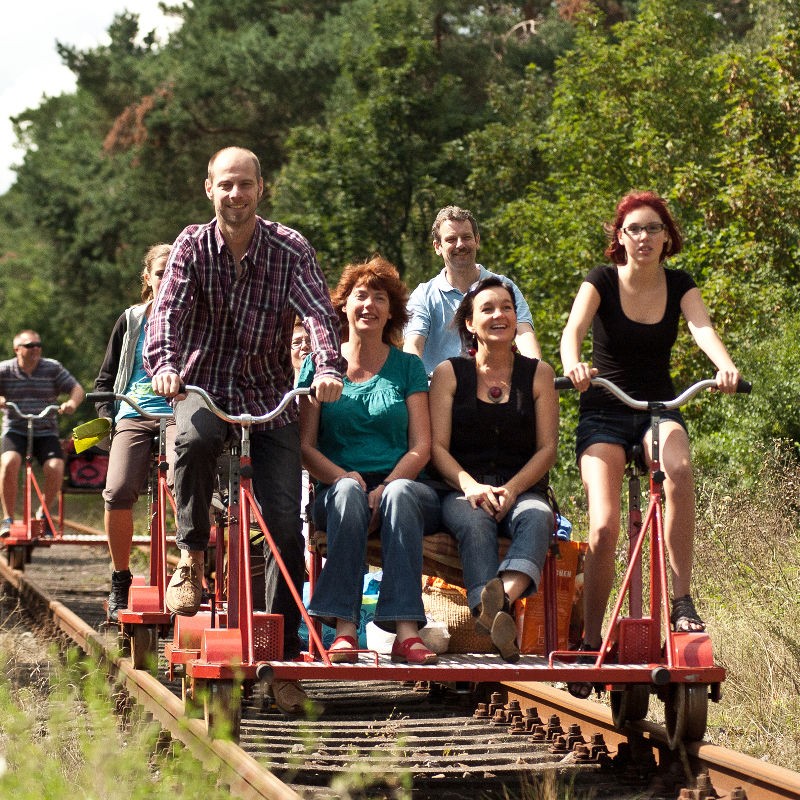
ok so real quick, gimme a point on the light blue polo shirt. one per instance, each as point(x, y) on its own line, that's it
point(433, 305)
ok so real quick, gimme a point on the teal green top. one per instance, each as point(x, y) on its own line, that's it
point(366, 429)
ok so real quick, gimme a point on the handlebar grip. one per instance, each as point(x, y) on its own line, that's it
point(744, 387)
point(563, 383)
point(101, 397)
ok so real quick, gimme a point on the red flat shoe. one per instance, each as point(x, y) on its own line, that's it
point(343, 655)
point(405, 651)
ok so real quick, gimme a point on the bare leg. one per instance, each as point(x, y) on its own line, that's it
point(602, 468)
point(53, 477)
point(514, 583)
point(9, 474)
point(408, 630)
point(119, 530)
point(345, 628)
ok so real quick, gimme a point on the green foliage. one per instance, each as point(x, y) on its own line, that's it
point(370, 116)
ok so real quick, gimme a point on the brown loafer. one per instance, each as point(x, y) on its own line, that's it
point(493, 599)
point(504, 636)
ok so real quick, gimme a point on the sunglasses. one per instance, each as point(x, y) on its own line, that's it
point(31, 345)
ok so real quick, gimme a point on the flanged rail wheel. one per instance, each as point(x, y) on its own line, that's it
point(629, 704)
point(144, 646)
point(686, 712)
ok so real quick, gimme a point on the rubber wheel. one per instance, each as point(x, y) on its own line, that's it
point(16, 558)
point(144, 647)
point(686, 713)
point(629, 704)
point(223, 710)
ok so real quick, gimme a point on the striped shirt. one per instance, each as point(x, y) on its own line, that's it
point(32, 393)
point(232, 336)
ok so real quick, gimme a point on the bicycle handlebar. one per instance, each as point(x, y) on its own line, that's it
point(106, 397)
point(245, 420)
point(41, 415)
point(743, 387)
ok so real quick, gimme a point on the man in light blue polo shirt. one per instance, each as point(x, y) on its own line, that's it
point(433, 304)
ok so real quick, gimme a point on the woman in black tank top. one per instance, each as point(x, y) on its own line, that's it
point(495, 432)
point(634, 307)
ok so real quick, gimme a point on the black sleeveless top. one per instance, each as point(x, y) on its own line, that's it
point(634, 355)
point(494, 439)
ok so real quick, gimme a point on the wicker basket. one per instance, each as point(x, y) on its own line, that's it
point(448, 604)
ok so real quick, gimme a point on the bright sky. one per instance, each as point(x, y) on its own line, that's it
point(30, 67)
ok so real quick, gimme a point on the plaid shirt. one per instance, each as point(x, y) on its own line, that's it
point(32, 393)
point(232, 337)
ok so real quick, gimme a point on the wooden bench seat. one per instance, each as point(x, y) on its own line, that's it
point(439, 554)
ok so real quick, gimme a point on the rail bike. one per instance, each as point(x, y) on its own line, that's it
point(30, 530)
point(229, 646)
point(146, 616)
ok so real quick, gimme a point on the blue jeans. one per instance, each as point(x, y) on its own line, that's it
point(200, 439)
point(529, 525)
point(409, 510)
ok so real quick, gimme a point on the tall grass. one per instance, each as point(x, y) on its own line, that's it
point(747, 579)
point(59, 737)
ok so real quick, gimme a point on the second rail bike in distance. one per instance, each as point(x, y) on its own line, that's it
point(146, 615)
point(683, 672)
point(28, 532)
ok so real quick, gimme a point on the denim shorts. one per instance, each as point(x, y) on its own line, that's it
point(610, 426)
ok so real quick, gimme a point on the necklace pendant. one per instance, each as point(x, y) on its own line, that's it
point(495, 394)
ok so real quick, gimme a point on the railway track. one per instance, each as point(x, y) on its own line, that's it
point(385, 737)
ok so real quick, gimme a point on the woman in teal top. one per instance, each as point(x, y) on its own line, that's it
point(366, 451)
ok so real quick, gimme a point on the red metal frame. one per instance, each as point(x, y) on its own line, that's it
point(146, 604)
point(688, 657)
point(28, 531)
point(226, 647)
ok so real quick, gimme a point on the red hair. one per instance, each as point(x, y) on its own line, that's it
point(630, 202)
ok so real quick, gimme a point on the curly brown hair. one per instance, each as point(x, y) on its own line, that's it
point(377, 273)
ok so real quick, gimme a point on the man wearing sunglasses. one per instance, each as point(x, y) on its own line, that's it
point(32, 382)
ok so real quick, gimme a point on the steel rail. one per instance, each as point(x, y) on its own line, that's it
point(246, 778)
point(727, 770)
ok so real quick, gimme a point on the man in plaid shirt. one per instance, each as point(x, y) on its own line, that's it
point(223, 321)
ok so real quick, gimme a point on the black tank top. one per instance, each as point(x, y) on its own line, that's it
point(494, 439)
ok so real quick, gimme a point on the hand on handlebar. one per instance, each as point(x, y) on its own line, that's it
point(168, 384)
point(581, 375)
point(728, 380)
point(327, 389)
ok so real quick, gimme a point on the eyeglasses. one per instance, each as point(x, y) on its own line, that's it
point(31, 345)
point(299, 344)
point(634, 231)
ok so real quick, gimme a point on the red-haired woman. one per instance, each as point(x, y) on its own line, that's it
point(634, 306)
point(366, 450)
